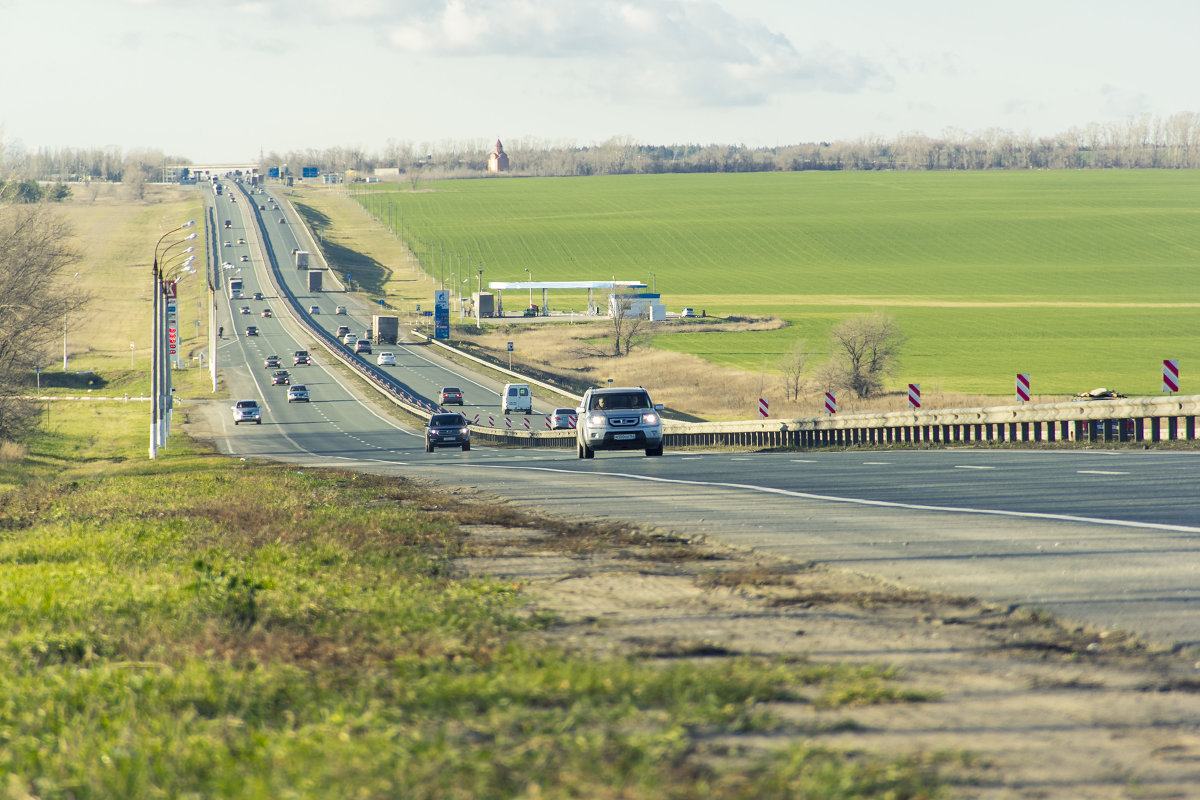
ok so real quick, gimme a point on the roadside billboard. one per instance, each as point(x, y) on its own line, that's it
point(441, 314)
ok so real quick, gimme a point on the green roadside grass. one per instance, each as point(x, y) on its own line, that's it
point(198, 626)
point(1080, 279)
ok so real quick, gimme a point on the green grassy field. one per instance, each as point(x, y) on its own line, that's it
point(116, 238)
point(1078, 278)
point(165, 633)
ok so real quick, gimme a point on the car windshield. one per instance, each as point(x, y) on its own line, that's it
point(449, 390)
point(621, 400)
point(446, 420)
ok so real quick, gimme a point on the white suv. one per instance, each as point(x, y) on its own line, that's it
point(618, 419)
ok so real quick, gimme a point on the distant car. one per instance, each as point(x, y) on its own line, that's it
point(386, 360)
point(562, 419)
point(245, 309)
point(262, 208)
point(258, 295)
point(251, 330)
point(349, 339)
point(688, 312)
point(342, 331)
point(245, 258)
point(530, 312)
point(282, 220)
point(451, 395)
point(281, 378)
point(314, 309)
point(298, 394)
point(227, 244)
point(447, 430)
point(271, 362)
point(295, 250)
point(363, 346)
point(241, 241)
point(340, 310)
point(301, 358)
point(266, 312)
point(247, 411)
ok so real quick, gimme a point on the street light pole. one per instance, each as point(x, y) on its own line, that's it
point(156, 343)
point(527, 269)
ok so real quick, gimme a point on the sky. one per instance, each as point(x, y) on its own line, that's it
point(222, 81)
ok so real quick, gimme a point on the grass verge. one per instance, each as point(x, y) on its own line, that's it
point(198, 626)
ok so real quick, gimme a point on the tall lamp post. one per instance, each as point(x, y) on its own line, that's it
point(156, 354)
point(177, 274)
point(527, 269)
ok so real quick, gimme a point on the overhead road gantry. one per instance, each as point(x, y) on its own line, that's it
point(546, 286)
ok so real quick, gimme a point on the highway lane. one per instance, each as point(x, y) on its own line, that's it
point(1110, 538)
point(421, 370)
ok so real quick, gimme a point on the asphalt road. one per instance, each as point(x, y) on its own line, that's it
point(1110, 538)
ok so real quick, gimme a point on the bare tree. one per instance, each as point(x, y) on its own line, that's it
point(627, 332)
point(629, 329)
point(35, 252)
point(793, 365)
point(865, 349)
point(134, 182)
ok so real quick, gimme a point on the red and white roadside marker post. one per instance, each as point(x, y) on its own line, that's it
point(1171, 375)
point(914, 395)
point(1022, 388)
point(830, 403)
point(763, 406)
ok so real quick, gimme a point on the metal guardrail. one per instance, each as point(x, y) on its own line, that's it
point(1123, 420)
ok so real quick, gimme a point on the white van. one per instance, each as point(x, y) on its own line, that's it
point(516, 397)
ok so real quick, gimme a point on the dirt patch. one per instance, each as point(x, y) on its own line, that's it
point(1025, 708)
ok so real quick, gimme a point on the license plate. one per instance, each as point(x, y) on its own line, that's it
point(624, 435)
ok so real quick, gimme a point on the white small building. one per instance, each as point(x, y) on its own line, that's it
point(645, 305)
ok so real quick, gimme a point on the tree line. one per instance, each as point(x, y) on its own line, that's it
point(1144, 142)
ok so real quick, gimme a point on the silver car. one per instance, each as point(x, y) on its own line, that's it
point(247, 411)
point(618, 419)
point(562, 419)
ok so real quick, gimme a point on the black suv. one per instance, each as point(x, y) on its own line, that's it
point(447, 430)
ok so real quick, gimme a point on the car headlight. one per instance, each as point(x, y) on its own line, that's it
point(597, 419)
point(650, 419)
point(464, 431)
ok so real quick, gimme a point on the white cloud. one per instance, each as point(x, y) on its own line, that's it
point(685, 51)
point(688, 51)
